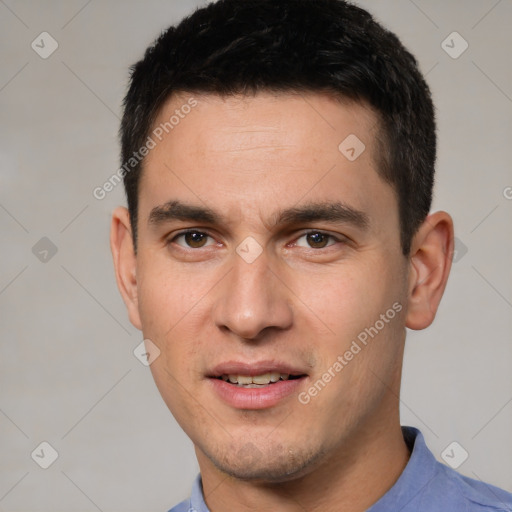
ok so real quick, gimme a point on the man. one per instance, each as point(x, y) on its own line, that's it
point(276, 245)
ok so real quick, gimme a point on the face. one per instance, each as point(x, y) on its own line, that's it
point(267, 253)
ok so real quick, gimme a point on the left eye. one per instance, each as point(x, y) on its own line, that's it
point(193, 239)
point(316, 240)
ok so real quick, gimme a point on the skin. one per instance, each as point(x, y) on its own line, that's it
point(303, 300)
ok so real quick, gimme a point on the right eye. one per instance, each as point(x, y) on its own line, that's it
point(192, 239)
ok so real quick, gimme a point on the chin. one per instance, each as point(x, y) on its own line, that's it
point(274, 464)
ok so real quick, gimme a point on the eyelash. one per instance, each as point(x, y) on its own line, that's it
point(305, 234)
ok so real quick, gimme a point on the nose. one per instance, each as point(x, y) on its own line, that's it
point(252, 299)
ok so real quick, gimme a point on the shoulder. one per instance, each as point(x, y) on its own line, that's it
point(477, 495)
point(427, 485)
point(446, 489)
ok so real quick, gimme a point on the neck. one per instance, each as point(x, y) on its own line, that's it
point(350, 479)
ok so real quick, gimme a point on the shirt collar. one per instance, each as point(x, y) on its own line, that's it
point(419, 471)
point(197, 503)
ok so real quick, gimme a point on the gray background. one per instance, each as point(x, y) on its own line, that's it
point(68, 375)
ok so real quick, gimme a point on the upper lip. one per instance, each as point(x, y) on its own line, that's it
point(254, 368)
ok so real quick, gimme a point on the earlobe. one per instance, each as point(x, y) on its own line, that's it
point(430, 264)
point(121, 245)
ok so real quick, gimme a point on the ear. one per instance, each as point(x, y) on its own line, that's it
point(125, 262)
point(430, 264)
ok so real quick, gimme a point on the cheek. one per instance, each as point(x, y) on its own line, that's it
point(169, 303)
point(350, 299)
point(173, 302)
point(363, 310)
point(167, 294)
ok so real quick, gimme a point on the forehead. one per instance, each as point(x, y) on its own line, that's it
point(238, 121)
point(252, 152)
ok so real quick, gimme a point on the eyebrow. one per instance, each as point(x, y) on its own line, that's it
point(177, 210)
point(335, 212)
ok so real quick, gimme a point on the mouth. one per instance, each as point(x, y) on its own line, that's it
point(255, 385)
point(257, 381)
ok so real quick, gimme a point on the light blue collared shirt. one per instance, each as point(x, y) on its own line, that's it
point(425, 485)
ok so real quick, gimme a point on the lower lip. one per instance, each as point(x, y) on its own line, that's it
point(256, 398)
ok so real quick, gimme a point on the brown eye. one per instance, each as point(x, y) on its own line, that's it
point(192, 239)
point(317, 240)
point(195, 239)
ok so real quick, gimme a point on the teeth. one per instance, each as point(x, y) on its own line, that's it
point(260, 379)
point(263, 379)
point(242, 380)
point(274, 376)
